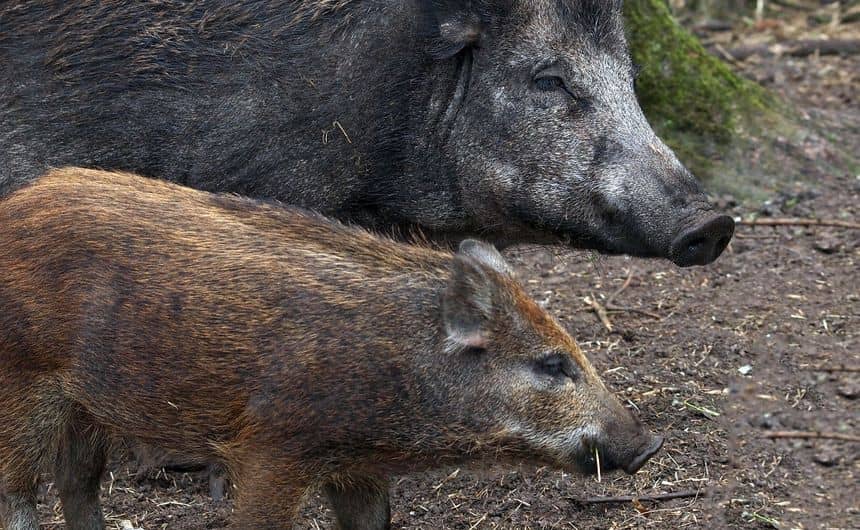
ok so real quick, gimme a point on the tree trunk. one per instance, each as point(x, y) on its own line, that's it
point(698, 105)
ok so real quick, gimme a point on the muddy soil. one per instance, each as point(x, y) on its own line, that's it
point(714, 358)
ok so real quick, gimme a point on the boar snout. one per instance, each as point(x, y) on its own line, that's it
point(702, 243)
point(648, 450)
point(624, 443)
point(627, 454)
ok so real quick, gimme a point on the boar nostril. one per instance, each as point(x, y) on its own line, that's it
point(695, 244)
point(723, 243)
point(703, 243)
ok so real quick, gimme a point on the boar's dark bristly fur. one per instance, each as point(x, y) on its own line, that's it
point(294, 350)
point(512, 119)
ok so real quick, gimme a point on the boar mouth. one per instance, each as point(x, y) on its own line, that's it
point(593, 460)
point(586, 462)
point(614, 242)
point(645, 454)
point(700, 244)
point(612, 235)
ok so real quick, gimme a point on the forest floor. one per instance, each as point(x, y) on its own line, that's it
point(714, 358)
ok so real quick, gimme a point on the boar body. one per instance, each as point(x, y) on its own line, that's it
point(293, 350)
point(512, 119)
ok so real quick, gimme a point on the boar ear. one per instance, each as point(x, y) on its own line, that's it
point(457, 26)
point(467, 303)
point(487, 255)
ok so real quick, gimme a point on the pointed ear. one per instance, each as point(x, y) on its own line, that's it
point(467, 304)
point(487, 255)
point(456, 25)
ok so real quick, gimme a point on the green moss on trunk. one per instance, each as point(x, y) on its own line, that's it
point(734, 134)
point(693, 99)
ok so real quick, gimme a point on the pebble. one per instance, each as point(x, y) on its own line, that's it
point(849, 390)
point(827, 244)
point(826, 455)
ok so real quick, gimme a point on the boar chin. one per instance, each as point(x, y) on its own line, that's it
point(611, 241)
point(700, 244)
point(585, 463)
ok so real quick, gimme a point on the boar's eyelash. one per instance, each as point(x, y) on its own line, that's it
point(543, 64)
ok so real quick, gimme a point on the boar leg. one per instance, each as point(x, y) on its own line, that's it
point(359, 502)
point(29, 415)
point(217, 482)
point(267, 496)
point(78, 470)
point(18, 508)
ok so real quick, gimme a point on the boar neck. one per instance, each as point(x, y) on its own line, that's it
point(386, 395)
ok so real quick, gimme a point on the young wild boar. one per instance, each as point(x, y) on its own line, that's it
point(294, 350)
point(514, 119)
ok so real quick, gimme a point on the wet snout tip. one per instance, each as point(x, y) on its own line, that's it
point(703, 243)
point(650, 450)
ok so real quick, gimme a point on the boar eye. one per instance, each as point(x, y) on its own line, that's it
point(555, 83)
point(549, 83)
point(556, 365)
point(474, 351)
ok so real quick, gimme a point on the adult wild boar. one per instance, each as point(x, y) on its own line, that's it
point(293, 349)
point(512, 119)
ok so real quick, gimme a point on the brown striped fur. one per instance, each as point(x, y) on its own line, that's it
point(294, 350)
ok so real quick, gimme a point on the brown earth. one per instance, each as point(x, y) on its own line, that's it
point(714, 358)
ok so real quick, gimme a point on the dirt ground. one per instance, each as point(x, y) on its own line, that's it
point(714, 358)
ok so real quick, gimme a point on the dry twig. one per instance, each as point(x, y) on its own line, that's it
point(625, 309)
point(624, 285)
point(799, 48)
point(703, 410)
point(609, 307)
point(814, 435)
point(600, 311)
point(630, 498)
point(837, 368)
point(793, 221)
point(792, 5)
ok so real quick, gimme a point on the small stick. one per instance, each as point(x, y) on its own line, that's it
point(792, 5)
point(793, 221)
point(620, 289)
point(479, 521)
point(630, 498)
point(798, 48)
point(725, 53)
point(600, 311)
point(704, 411)
point(814, 435)
point(339, 126)
point(626, 309)
point(446, 479)
point(608, 306)
point(738, 235)
point(837, 368)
